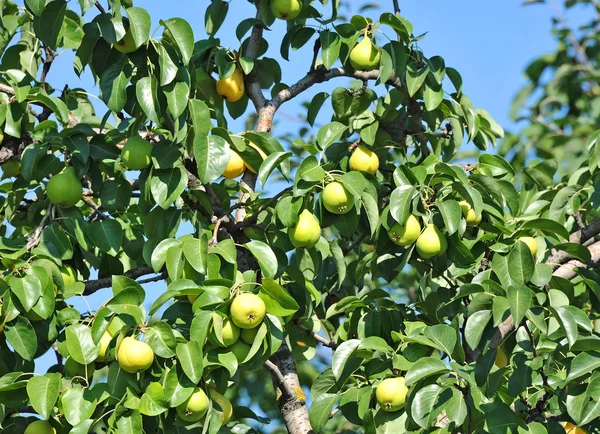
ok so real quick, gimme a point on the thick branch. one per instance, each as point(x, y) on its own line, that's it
point(253, 89)
point(579, 237)
point(92, 286)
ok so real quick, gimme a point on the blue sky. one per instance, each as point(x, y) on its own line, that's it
point(488, 42)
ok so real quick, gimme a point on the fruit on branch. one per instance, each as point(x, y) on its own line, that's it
point(365, 55)
point(247, 310)
point(286, 9)
point(226, 407)
point(307, 231)
point(364, 160)
point(12, 167)
point(405, 235)
point(74, 369)
point(39, 427)
point(469, 214)
point(531, 243)
point(248, 335)
point(336, 198)
point(136, 153)
point(64, 189)
point(391, 394)
point(573, 429)
point(431, 242)
point(232, 88)
point(235, 166)
point(68, 274)
point(240, 350)
point(134, 356)
point(104, 342)
point(501, 359)
point(126, 44)
point(260, 152)
point(230, 333)
point(194, 407)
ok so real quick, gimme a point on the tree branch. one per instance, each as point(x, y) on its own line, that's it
point(100, 7)
point(580, 237)
point(317, 337)
point(396, 7)
point(92, 286)
point(253, 89)
point(34, 239)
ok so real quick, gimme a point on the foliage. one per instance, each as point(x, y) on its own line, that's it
point(491, 332)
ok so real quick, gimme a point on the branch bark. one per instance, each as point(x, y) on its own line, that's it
point(92, 286)
point(582, 236)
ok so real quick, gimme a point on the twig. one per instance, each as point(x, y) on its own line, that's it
point(396, 7)
point(334, 412)
point(91, 286)
point(35, 238)
point(354, 244)
point(161, 276)
point(318, 338)
point(100, 7)
point(316, 49)
point(220, 220)
point(50, 56)
point(95, 207)
point(286, 390)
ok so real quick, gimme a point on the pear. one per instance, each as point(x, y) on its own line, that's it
point(336, 198)
point(365, 56)
point(64, 190)
point(136, 153)
point(364, 160)
point(307, 232)
point(232, 88)
point(407, 234)
point(469, 214)
point(126, 45)
point(531, 243)
point(431, 242)
point(286, 9)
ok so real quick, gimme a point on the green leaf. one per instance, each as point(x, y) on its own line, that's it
point(583, 364)
point(400, 202)
point(415, 78)
point(330, 47)
point(146, 90)
point(153, 401)
point(372, 210)
point(315, 106)
point(443, 336)
point(28, 290)
point(36, 6)
point(162, 340)
point(423, 368)
point(567, 322)
point(190, 357)
point(575, 249)
point(182, 35)
point(519, 299)
point(215, 15)
point(340, 263)
point(139, 25)
point(80, 344)
point(21, 335)
point(354, 182)
point(271, 163)
point(433, 96)
point(56, 242)
point(425, 404)
point(77, 404)
point(330, 133)
point(212, 155)
point(113, 82)
point(167, 185)
point(451, 213)
point(277, 300)
point(310, 170)
point(341, 356)
point(48, 26)
point(106, 235)
point(320, 410)
point(265, 257)
point(520, 263)
point(549, 227)
point(200, 114)
point(196, 253)
point(476, 324)
point(43, 392)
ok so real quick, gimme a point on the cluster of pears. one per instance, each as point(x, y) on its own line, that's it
point(64, 189)
point(391, 394)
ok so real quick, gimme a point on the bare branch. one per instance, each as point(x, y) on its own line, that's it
point(317, 337)
point(92, 286)
point(100, 7)
point(396, 7)
point(50, 56)
point(286, 389)
point(580, 237)
point(35, 238)
point(569, 270)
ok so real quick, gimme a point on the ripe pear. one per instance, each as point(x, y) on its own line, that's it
point(407, 234)
point(336, 198)
point(365, 56)
point(134, 356)
point(230, 333)
point(193, 408)
point(126, 45)
point(104, 343)
point(469, 214)
point(531, 243)
point(136, 153)
point(247, 310)
point(431, 242)
point(64, 190)
point(224, 403)
point(235, 166)
point(391, 394)
point(260, 152)
point(40, 427)
point(307, 232)
point(286, 9)
point(232, 88)
point(364, 160)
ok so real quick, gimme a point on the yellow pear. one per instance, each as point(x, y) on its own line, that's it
point(224, 403)
point(40, 427)
point(134, 356)
point(286, 9)
point(230, 333)
point(235, 166)
point(336, 198)
point(431, 243)
point(307, 231)
point(573, 429)
point(391, 394)
point(136, 153)
point(407, 234)
point(364, 160)
point(104, 343)
point(247, 310)
point(531, 243)
point(232, 88)
point(193, 408)
point(64, 190)
point(469, 214)
point(501, 359)
point(365, 56)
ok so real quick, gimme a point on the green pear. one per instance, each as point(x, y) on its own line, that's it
point(136, 153)
point(64, 190)
point(407, 234)
point(240, 350)
point(126, 45)
point(286, 9)
point(336, 198)
point(431, 242)
point(307, 232)
point(365, 56)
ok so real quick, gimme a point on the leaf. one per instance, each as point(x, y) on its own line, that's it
point(330, 133)
point(160, 337)
point(425, 405)
point(21, 335)
point(36, 6)
point(190, 357)
point(265, 257)
point(341, 356)
point(423, 368)
point(320, 410)
point(139, 25)
point(80, 344)
point(340, 264)
point(519, 299)
point(271, 163)
point(77, 404)
point(372, 210)
point(567, 321)
point(212, 155)
point(583, 364)
point(520, 263)
point(153, 401)
point(182, 35)
point(415, 78)
point(196, 253)
point(277, 300)
point(215, 15)
point(575, 249)
point(28, 290)
point(167, 185)
point(443, 336)
point(43, 392)
point(433, 96)
point(400, 202)
point(146, 90)
point(106, 235)
point(451, 213)
point(113, 82)
point(315, 106)
point(310, 170)
point(549, 227)
point(330, 47)
point(476, 324)
point(48, 25)
point(200, 114)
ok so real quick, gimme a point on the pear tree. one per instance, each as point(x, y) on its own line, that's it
point(164, 272)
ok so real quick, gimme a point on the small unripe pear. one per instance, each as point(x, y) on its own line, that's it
point(286, 9)
point(64, 190)
point(365, 56)
point(307, 232)
point(431, 242)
